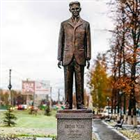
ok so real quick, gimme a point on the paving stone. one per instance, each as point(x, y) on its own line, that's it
point(103, 132)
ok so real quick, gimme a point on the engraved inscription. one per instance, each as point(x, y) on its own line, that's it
point(74, 126)
point(74, 130)
point(80, 126)
point(69, 126)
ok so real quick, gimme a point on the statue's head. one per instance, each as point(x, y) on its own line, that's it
point(75, 8)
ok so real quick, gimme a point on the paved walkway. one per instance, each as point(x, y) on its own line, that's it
point(104, 132)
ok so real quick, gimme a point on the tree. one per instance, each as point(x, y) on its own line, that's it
point(126, 44)
point(9, 118)
point(47, 109)
point(99, 82)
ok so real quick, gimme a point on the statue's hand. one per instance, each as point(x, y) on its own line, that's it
point(59, 64)
point(88, 64)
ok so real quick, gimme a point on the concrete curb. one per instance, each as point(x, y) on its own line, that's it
point(96, 134)
point(115, 130)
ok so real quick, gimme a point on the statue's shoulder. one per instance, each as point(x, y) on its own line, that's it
point(85, 22)
point(65, 22)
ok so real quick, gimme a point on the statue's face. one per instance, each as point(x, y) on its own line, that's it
point(75, 10)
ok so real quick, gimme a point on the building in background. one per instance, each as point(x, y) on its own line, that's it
point(36, 91)
point(28, 90)
point(42, 92)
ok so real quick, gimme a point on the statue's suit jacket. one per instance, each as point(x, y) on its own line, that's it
point(74, 41)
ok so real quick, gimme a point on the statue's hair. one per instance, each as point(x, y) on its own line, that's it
point(74, 2)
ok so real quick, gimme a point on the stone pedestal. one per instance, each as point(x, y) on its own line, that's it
point(74, 124)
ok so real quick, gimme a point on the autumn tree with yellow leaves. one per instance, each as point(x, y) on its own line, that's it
point(125, 49)
point(99, 82)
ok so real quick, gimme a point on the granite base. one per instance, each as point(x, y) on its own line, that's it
point(74, 124)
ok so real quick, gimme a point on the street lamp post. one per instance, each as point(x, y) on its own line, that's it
point(120, 94)
point(58, 96)
point(51, 97)
point(10, 87)
point(124, 108)
point(108, 104)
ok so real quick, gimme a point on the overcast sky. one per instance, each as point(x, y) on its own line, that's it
point(29, 37)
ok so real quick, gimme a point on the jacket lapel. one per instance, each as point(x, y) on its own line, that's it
point(70, 22)
point(80, 22)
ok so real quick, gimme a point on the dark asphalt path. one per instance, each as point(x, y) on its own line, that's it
point(104, 132)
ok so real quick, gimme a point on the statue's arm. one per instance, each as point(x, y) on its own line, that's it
point(88, 56)
point(60, 46)
point(88, 64)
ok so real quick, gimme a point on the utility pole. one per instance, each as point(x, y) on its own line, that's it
point(51, 97)
point(58, 96)
point(108, 104)
point(10, 87)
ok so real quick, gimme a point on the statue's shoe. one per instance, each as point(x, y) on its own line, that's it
point(81, 107)
point(68, 106)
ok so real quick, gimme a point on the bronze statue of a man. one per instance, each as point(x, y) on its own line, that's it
point(74, 51)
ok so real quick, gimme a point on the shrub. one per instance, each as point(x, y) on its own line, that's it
point(9, 118)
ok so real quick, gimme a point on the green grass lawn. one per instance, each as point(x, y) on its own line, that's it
point(30, 125)
point(35, 121)
point(26, 120)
